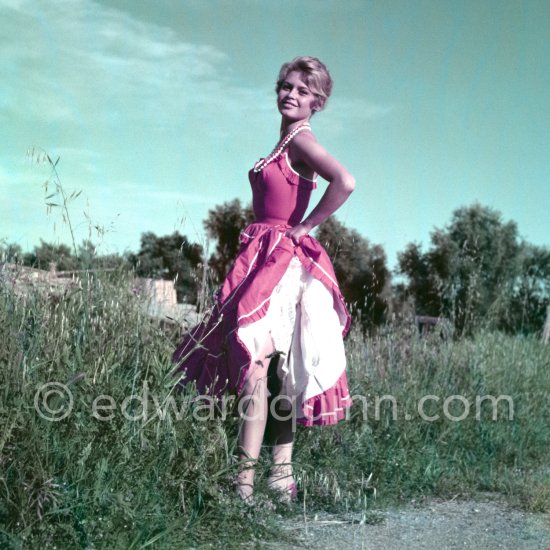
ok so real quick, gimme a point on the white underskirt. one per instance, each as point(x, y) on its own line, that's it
point(303, 323)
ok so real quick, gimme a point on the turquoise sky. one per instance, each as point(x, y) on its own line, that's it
point(158, 108)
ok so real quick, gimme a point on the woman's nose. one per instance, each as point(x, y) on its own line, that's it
point(292, 93)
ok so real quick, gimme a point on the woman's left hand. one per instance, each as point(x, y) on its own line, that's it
point(297, 233)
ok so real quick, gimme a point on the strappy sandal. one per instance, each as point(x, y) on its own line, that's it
point(242, 493)
point(292, 492)
point(287, 494)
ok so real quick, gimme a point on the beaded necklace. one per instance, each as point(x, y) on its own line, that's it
point(279, 148)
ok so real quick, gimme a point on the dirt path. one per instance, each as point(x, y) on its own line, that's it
point(436, 524)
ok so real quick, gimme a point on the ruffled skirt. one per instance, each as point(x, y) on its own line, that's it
point(283, 292)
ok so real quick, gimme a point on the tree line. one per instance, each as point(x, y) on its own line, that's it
point(476, 271)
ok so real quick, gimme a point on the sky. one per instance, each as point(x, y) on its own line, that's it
point(157, 110)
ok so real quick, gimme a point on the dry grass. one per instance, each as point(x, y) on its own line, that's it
point(82, 482)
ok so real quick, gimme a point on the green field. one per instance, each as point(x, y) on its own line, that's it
point(420, 425)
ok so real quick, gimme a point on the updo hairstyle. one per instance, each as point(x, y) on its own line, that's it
point(314, 74)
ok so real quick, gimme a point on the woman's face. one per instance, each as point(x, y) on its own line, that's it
point(294, 99)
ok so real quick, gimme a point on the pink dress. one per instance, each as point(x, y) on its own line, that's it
point(279, 290)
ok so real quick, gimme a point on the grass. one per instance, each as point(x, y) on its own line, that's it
point(410, 456)
point(82, 482)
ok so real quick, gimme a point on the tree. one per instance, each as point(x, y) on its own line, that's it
point(47, 255)
point(531, 294)
point(224, 224)
point(10, 252)
point(89, 258)
point(423, 284)
point(170, 257)
point(360, 269)
point(471, 271)
point(61, 257)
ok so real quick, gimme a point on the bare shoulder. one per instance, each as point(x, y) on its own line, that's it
point(304, 146)
point(299, 154)
point(307, 151)
point(304, 140)
point(308, 135)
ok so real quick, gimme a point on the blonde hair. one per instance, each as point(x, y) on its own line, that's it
point(315, 75)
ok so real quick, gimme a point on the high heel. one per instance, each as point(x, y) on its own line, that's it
point(287, 494)
point(242, 493)
point(292, 492)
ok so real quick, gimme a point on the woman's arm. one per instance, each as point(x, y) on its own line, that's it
point(341, 183)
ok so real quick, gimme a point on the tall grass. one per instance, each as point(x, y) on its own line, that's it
point(82, 482)
point(501, 447)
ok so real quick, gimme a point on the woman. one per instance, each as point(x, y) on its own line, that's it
point(274, 336)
